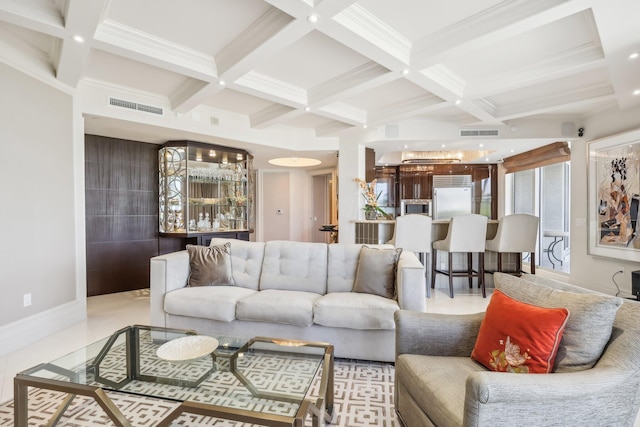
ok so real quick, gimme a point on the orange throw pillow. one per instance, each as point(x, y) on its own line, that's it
point(519, 337)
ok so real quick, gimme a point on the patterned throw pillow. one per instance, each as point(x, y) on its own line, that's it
point(588, 329)
point(210, 265)
point(519, 337)
point(376, 271)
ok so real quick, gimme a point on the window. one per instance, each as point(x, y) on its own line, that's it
point(544, 192)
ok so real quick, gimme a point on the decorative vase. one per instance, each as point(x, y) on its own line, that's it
point(370, 215)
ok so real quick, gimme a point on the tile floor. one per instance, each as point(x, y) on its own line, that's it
point(108, 313)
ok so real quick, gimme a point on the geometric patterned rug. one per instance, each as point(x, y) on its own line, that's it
point(363, 397)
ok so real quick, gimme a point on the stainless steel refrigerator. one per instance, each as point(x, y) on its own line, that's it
point(449, 202)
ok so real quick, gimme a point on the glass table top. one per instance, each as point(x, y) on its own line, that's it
point(260, 374)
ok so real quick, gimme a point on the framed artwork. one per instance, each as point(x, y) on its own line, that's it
point(613, 196)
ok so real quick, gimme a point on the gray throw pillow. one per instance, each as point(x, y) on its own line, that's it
point(376, 271)
point(210, 265)
point(589, 325)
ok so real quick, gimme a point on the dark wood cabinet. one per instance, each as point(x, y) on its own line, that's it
point(416, 182)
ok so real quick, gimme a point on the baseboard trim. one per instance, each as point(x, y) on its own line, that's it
point(23, 332)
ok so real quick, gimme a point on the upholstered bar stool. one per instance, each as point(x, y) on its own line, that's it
point(516, 233)
point(413, 233)
point(466, 234)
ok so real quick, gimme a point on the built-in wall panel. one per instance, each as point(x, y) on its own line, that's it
point(121, 193)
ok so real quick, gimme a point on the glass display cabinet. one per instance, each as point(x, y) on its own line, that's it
point(205, 191)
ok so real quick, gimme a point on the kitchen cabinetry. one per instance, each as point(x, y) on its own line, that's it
point(205, 190)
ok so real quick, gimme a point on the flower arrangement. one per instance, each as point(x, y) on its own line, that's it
point(371, 208)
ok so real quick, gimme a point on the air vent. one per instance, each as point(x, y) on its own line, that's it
point(479, 132)
point(121, 103)
point(451, 181)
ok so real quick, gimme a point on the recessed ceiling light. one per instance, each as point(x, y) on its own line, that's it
point(636, 92)
point(486, 159)
point(406, 146)
point(481, 145)
point(405, 71)
point(307, 109)
point(512, 150)
point(294, 162)
point(364, 126)
point(222, 82)
point(634, 55)
point(458, 102)
point(313, 18)
point(78, 38)
point(443, 146)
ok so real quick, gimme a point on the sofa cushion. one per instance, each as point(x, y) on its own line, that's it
point(376, 271)
point(294, 266)
point(208, 302)
point(519, 337)
point(210, 265)
point(589, 327)
point(341, 267)
point(289, 307)
point(342, 264)
point(246, 261)
point(354, 311)
point(437, 384)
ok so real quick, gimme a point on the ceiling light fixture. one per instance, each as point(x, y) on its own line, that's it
point(405, 71)
point(636, 92)
point(78, 38)
point(313, 18)
point(364, 126)
point(307, 109)
point(222, 82)
point(458, 102)
point(294, 162)
point(634, 55)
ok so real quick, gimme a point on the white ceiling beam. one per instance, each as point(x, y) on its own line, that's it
point(584, 96)
point(250, 40)
point(43, 16)
point(272, 89)
point(271, 33)
point(118, 39)
point(503, 21)
point(82, 18)
point(331, 128)
point(365, 77)
point(271, 115)
point(343, 112)
point(399, 109)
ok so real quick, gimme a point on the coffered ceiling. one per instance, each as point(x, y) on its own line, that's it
point(297, 77)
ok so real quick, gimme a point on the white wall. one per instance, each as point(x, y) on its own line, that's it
point(351, 165)
point(42, 210)
point(286, 189)
point(586, 270)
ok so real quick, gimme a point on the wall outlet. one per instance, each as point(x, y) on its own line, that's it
point(26, 300)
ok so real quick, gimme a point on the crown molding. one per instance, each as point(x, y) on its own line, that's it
point(274, 89)
point(122, 40)
point(366, 25)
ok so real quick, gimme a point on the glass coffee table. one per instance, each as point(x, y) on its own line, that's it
point(265, 381)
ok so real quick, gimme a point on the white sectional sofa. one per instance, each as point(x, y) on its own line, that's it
point(288, 289)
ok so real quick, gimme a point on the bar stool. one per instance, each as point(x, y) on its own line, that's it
point(516, 233)
point(412, 233)
point(558, 236)
point(466, 234)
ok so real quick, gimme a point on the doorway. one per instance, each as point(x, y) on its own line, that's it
point(322, 207)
